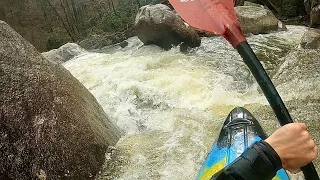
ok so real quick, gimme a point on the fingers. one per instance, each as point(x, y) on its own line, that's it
point(310, 143)
point(314, 153)
point(299, 126)
point(295, 127)
point(303, 126)
point(294, 146)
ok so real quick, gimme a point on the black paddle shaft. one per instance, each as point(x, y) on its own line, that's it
point(272, 96)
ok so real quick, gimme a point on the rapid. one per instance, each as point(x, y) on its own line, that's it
point(171, 104)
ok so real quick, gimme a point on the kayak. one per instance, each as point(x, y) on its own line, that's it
point(238, 132)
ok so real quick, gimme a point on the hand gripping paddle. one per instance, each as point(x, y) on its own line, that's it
point(218, 16)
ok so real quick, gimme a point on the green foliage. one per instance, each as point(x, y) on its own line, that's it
point(79, 19)
point(116, 21)
point(292, 8)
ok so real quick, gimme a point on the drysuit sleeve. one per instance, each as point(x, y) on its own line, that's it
point(259, 162)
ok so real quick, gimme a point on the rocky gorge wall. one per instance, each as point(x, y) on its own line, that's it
point(51, 127)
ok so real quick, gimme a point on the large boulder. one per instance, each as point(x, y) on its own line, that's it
point(300, 73)
point(313, 9)
point(157, 24)
point(64, 53)
point(256, 19)
point(311, 39)
point(51, 127)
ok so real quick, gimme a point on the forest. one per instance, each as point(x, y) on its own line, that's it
point(48, 24)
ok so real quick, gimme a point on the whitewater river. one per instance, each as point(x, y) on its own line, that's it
point(170, 105)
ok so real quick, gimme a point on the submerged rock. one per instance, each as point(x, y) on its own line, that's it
point(123, 44)
point(256, 19)
point(64, 53)
point(51, 127)
point(157, 24)
point(311, 39)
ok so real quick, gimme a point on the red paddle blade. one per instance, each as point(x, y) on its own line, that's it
point(217, 16)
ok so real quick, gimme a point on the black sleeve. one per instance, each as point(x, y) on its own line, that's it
point(259, 161)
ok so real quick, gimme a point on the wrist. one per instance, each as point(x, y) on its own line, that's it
point(271, 153)
point(263, 160)
point(277, 149)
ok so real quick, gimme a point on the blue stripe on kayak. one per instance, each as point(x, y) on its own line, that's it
point(281, 174)
point(219, 157)
point(215, 161)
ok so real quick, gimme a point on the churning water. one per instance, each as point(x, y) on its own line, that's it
point(171, 104)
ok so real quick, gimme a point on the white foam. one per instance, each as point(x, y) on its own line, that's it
point(164, 100)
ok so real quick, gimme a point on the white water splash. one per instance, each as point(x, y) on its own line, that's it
point(171, 104)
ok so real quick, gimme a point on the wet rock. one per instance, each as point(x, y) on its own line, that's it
point(313, 9)
point(256, 19)
point(299, 73)
point(51, 127)
point(311, 39)
point(64, 53)
point(157, 24)
point(123, 44)
point(281, 26)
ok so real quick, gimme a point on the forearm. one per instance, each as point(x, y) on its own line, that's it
point(259, 161)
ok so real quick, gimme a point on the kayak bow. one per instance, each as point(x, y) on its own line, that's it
point(239, 131)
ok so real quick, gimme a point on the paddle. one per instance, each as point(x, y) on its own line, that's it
point(218, 16)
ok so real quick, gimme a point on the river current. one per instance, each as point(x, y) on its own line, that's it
point(170, 105)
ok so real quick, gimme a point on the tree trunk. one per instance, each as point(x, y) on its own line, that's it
point(62, 21)
point(113, 8)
